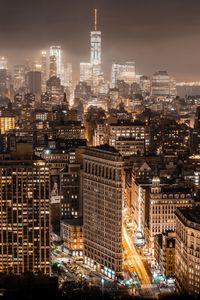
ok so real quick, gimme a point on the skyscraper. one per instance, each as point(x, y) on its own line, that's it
point(55, 90)
point(57, 52)
point(52, 66)
point(34, 82)
point(36, 66)
point(68, 75)
point(95, 44)
point(24, 213)
point(3, 82)
point(195, 140)
point(44, 69)
point(123, 71)
point(7, 121)
point(3, 63)
point(19, 77)
point(71, 202)
point(95, 53)
point(187, 262)
point(67, 80)
point(160, 86)
point(86, 73)
point(91, 72)
point(102, 209)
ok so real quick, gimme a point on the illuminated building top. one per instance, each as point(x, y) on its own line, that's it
point(95, 44)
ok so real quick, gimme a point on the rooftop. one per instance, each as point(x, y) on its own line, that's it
point(192, 214)
point(161, 72)
point(128, 123)
point(105, 152)
point(106, 148)
point(74, 221)
point(175, 189)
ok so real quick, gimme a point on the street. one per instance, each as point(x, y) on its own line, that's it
point(138, 280)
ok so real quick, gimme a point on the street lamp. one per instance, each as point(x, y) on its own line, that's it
point(102, 288)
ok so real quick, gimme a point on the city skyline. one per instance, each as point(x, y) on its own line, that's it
point(99, 149)
point(131, 31)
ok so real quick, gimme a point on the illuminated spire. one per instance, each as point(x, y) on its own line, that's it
point(95, 42)
point(95, 19)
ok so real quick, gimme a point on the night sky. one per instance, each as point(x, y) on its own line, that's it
point(156, 34)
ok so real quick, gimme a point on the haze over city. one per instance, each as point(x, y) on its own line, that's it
point(155, 34)
point(99, 149)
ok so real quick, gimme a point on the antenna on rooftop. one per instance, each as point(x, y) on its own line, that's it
point(95, 19)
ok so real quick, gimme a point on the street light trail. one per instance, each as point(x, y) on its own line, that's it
point(135, 258)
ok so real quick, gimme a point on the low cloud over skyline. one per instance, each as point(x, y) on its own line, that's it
point(156, 34)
